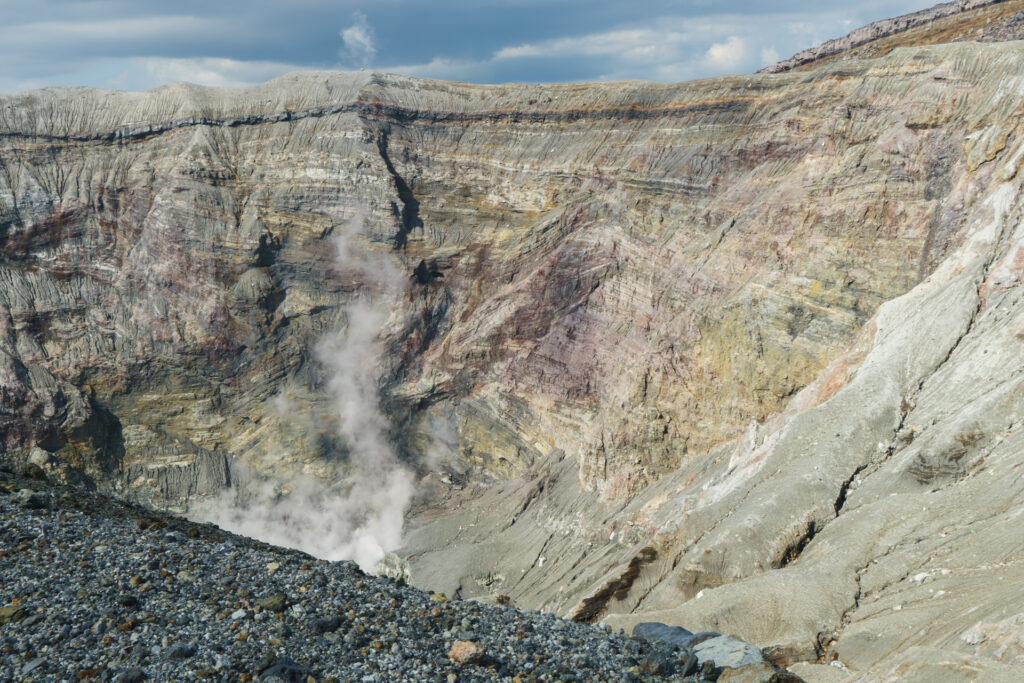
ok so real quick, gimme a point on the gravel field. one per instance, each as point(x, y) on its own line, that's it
point(92, 588)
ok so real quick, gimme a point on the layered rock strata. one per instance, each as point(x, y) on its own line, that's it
point(628, 273)
point(639, 353)
point(869, 526)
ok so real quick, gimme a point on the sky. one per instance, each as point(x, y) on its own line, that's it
point(141, 44)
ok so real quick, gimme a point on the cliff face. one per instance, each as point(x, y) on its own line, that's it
point(629, 273)
point(150, 306)
point(639, 326)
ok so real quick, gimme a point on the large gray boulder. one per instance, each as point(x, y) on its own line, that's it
point(727, 652)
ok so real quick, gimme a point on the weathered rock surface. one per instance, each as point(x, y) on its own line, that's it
point(870, 523)
point(727, 652)
point(737, 354)
point(704, 249)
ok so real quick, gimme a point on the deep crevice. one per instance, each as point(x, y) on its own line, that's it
point(534, 493)
point(594, 606)
point(998, 249)
point(845, 488)
point(792, 553)
point(409, 216)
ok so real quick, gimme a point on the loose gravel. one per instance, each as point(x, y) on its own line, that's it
point(92, 588)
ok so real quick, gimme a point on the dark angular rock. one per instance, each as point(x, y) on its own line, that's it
point(324, 625)
point(285, 670)
point(656, 663)
point(33, 620)
point(676, 636)
point(12, 613)
point(128, 601)
point(274, 603)
point(31, 500)
point(131, 676)
point(179, 651)
point(689, 665)
point(33, 471)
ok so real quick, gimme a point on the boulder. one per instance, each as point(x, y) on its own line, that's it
point(727, 652)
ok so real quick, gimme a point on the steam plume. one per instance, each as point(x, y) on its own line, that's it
point(361, 519)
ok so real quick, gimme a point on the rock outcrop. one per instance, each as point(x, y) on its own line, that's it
point(736, 354)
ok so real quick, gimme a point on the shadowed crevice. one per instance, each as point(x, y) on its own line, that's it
point(409, 215)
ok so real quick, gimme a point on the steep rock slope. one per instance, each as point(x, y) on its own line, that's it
point(873, 522)
point(149, 307)
point(653, 313)
point(628, 273)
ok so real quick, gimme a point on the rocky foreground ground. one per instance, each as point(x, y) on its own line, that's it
point(92, 588)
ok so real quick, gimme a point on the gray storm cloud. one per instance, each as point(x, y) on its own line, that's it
point(361, 518)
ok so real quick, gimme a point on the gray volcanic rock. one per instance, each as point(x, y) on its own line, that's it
point(672, 635)
point(195, 615)
point(726, 652)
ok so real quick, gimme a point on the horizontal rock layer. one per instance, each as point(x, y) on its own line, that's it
point(628, 273)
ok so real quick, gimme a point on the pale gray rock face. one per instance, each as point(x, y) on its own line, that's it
point(737, 355)
point(727, 652)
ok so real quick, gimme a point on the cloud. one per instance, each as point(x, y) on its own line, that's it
point(729, 54)
point(128, 44)
point(734, 37)
point(629, 43)
point(670, 48)
point(802, 27)
point(113, 30)
point(359, 41)
point(661, 53)
point(142, 72)
point(445, 69)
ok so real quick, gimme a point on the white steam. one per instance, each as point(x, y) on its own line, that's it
point(359, 41)
point(361, 518)
point(360, 521)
